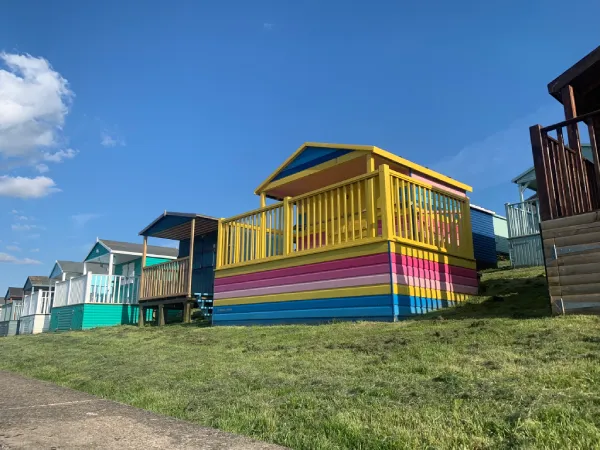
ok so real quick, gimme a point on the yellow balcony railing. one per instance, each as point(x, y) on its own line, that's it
point(383, 205)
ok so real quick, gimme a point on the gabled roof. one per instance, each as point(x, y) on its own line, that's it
point(134, 249)
point(178, 226)
point(37, 281)
point(581, 75)
point(70, 266)
point(331, 152)
point(14, 292)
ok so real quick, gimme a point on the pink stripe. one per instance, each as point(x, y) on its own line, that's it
point(444, 186)
point(435, 275)
point(346, 263)
point(314, 286)
point(427, 283)
point(307, 277)
point(426, 264)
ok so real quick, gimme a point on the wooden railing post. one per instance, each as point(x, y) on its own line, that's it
point(469, 249)
point(191, 266)
point(542, 174)
point(385, 193)
point(220, 241)
point(371, 201)
point(262, 240)
point(144, 254)
point(288, 226)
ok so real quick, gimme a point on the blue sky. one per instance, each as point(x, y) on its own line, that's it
point(187, 106)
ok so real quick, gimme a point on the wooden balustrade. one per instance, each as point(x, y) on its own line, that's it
point(568, 183)
point(168, 279)
point(382, 204)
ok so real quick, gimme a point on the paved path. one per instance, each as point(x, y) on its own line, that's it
point(39, 415)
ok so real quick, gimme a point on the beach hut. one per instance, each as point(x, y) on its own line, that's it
point(351, 232)
point(37, 301)
point(568, 189)
point(109, 297)
point(176, 286)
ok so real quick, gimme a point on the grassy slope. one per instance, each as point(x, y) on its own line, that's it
point(489, 374)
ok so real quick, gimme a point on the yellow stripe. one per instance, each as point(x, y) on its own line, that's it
point(435, 256)
point(342, 251)
point(378, 289)
point(437, 294)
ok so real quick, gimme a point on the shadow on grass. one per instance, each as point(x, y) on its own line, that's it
point(504, 292)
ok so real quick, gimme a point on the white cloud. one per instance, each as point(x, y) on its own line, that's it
point(42, 168)
point(60, 155)
point(35, 250)
point(34, 101)
point(80, 220)
point(499, 157)
point(267, 26)
point(13, 248)
point(25, 227)
point(10, 259)
point(109, 141)
point(14, 211)
point(24, 187)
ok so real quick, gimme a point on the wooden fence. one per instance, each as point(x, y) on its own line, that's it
point(168, 279)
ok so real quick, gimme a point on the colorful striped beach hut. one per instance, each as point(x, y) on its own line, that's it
point(345, 232)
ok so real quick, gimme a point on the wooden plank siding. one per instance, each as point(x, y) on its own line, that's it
point(572, 250)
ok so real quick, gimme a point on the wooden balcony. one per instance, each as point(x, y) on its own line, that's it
point(170, 279)
point(568, 183)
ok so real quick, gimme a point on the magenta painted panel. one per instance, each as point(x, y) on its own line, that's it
point(308, 277)
point(435, 275)
point(307, 268)
point(410, 261)
point(429, 283)
point(438, 184)
point(313, 286)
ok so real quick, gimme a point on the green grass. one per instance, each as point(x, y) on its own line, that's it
point(496, 373)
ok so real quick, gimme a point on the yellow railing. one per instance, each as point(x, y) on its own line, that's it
point(168, 279)
point(429, 216)
point(382, 205)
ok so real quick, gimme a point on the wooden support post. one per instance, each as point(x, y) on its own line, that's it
point(370, 200)
point(142, 317)
point(187, 312)
point(221, 251)
point(594, 142)
point(288, 226)
point(161, 315)
point(143, 289)
point(263, 200)
point(542, 174)
point(570, 107)
point(191, 261)
point(385, 193)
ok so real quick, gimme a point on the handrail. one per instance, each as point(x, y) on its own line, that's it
point(157, 266)
point(572, 121)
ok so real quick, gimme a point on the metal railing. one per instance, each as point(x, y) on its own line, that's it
point(523, 218)
point(168, 279)
point(93, 288)
point(380, 205)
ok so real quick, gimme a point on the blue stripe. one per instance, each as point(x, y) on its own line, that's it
point(405, 305)
point(310, 157)
point(342, 302)
point(303, 321)
point(327, 314)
